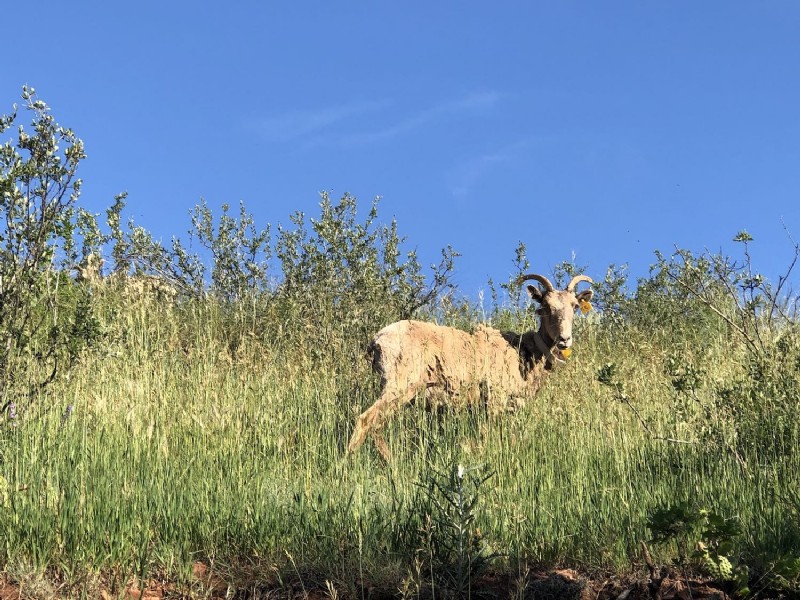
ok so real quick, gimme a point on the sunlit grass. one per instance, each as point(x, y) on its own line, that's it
point(179, 448)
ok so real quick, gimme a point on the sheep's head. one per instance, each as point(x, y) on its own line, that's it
point(557, 310)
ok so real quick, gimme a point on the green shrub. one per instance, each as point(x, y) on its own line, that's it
point(45, 320)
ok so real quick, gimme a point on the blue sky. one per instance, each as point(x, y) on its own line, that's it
point(600, 130)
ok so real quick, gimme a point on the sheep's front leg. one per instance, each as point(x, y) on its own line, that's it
point(372, 419)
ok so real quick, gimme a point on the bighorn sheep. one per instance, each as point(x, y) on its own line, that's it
point(456, 368)
point(133, 287)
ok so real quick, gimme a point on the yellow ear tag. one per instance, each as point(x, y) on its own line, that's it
point(566, 353)
point(585, 306)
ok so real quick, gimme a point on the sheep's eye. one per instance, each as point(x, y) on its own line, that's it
point(541, 311)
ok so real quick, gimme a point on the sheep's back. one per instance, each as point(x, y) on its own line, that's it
point(454, 366)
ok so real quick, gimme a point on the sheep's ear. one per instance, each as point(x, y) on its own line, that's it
point(535, 293)
point(585, 296)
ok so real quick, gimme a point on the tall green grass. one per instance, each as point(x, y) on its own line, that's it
point(193, 437)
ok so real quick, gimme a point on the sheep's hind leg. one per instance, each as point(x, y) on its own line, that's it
point(374, 417)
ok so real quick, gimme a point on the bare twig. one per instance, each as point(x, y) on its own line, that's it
point(784, 278)
point(656, 577)
point(624, 398)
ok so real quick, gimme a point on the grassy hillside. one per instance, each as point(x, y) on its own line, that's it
point(187, 435)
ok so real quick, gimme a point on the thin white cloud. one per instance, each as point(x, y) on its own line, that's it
point(469, 103)
point(463, 178)
point(303, 124)
point(477, 101)
point(339, 125)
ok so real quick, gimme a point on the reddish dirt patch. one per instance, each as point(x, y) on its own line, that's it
point(560, 584)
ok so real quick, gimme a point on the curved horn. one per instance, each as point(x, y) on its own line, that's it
point(576, 280)
point(540, 278)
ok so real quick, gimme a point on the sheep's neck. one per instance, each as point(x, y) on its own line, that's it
point(534, 348)
point(544, 348)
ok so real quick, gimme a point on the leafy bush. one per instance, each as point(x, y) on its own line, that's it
point(353, 274)
point(45, 321)
point(703, 536)
point(695, 302)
